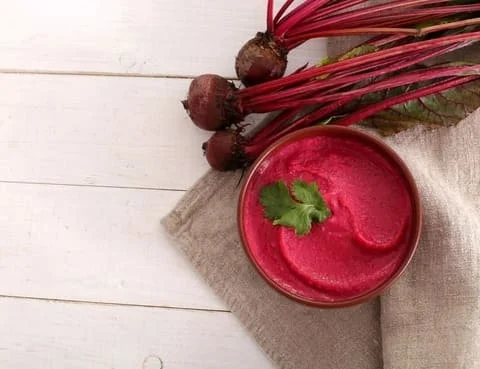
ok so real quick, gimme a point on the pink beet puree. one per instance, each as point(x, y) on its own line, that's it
point(355, 250)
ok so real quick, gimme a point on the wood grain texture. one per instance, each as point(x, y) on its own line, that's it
point(108, 131)
point(94, 244)
point(83, 159)
point(165, 37)
point(77, 336)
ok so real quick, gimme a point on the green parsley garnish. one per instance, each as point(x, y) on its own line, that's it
point(299, 212)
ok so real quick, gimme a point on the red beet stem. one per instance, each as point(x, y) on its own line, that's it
point(403, 5)
point(264, 59)
point(315, 23)
point(299, 15)
point(288, 16)
point(276, 124)
point(361, 114)
point(321, 113)
point(259, 143)
point(356, 62)
point(401, 80)
point(393, 21)
point(334, 8)
point(270, 22)
point(367, 18)
point(405, 61)
point(296, 40)
point(451, 25)
point(282, 10)
point(417, 16)
point(383, 40)
point(347, 78)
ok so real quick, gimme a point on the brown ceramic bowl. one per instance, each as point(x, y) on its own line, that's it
point(379, 147)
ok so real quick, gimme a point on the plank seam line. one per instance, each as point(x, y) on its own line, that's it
point(101, 74)
point(103, 303)
point(93, 186)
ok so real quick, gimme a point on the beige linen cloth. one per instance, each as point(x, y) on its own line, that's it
point(429, 319)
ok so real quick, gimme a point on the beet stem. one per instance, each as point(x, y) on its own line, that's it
point(256, 146)
point(276, 123)
point(346, 79)
point(418, 16)
point(321, 113)
point(299, 16)
point(291, 14)
point(368, 19)
point(371, 10)
point(355, 62)
point(383, 40)
point(417, 57)
point(347, 32)
point(452, 25)
point(282, 10)
point(270, 22)
point(332, 9)
point(393, 82)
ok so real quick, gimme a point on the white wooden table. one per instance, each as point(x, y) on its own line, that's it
point(94, 149)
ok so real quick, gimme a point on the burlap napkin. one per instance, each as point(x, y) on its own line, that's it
point(294, 336)
point(429, 319)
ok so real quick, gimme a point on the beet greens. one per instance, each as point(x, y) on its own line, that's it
point(382, 80)
point(229, 149)
point(214, 103)
point(264, 57)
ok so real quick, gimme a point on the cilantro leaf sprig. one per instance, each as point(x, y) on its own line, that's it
point(299, 212)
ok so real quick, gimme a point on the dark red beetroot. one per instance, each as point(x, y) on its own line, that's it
point(264, 57)
point(214, 103)
point(261, 59)
point(224, 151)
point(228, 150)
point(211, 102)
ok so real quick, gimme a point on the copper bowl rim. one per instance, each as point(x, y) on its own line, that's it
point(381, 147)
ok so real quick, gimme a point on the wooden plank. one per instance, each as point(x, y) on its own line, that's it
point(136, 37)
point(94, 244)
point(57, 335)
point(107, 131)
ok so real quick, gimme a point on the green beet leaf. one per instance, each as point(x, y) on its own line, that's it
point(442, 109)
